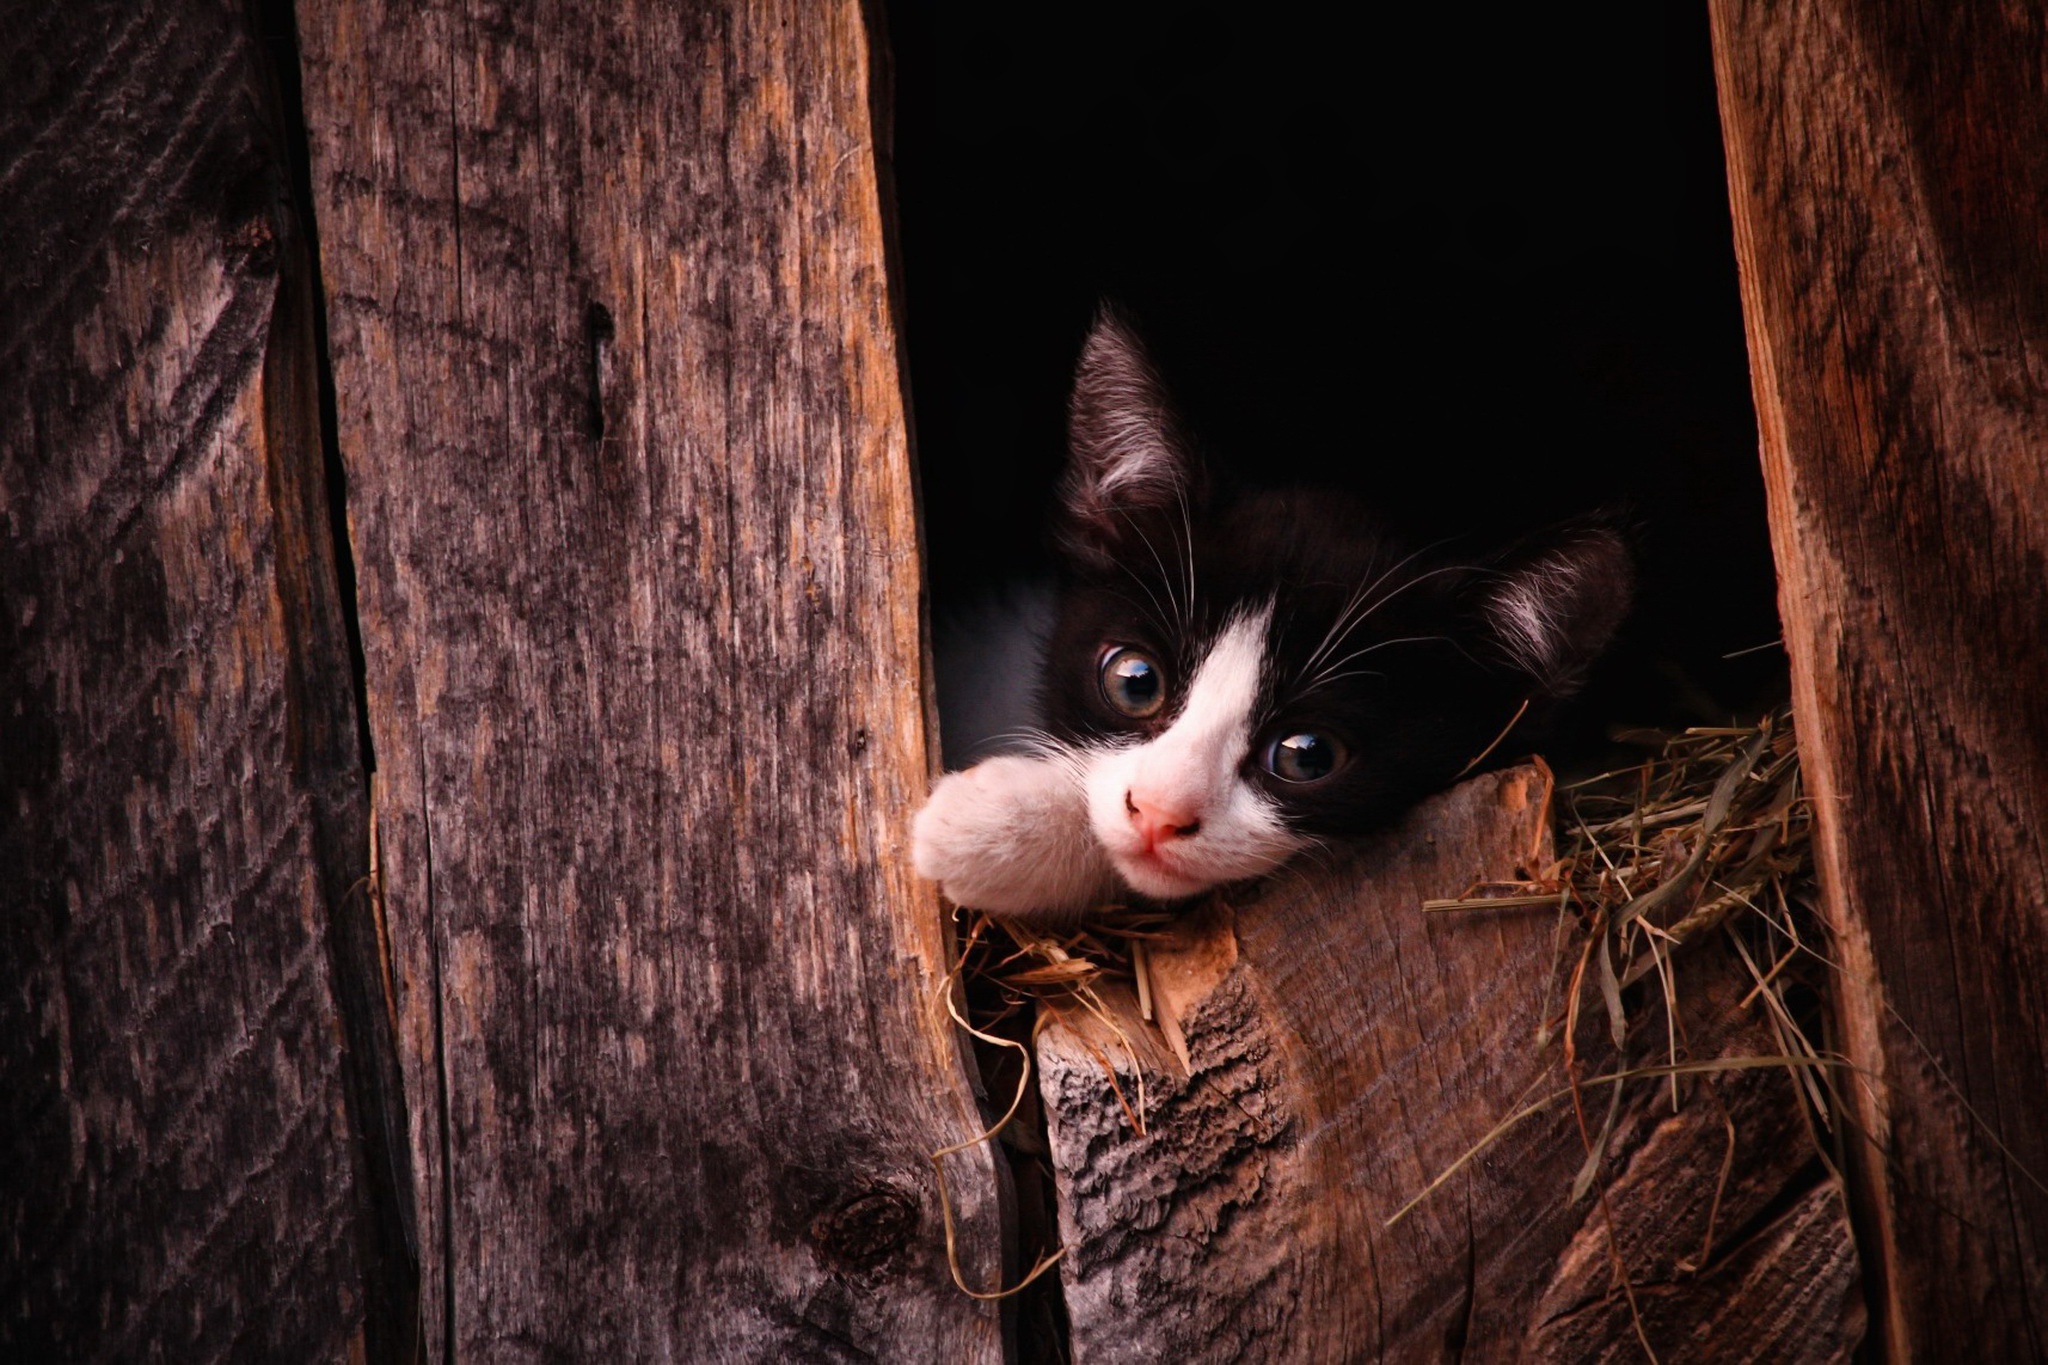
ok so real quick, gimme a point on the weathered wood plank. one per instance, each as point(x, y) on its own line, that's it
point(1346, 1050)
point(180, 1175)
point(637, 551)
point(1888, 163)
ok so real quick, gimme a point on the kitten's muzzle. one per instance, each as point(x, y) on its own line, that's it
point(1159, 824)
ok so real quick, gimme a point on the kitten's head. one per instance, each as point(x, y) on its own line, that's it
point(1244, 673)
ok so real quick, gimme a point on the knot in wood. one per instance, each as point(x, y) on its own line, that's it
point(866, 1229)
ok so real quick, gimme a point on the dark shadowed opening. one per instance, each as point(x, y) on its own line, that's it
point(1479, 270)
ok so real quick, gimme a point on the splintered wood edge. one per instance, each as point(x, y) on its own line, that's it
point(1186, 965)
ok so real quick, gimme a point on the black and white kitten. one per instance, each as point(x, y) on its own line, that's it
point(1234, 675)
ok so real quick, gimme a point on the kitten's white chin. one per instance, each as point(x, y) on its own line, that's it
point(1149, 877)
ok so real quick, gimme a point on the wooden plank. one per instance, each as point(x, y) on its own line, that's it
point(181, 1176)
point(635, 531)
point(1344, 1052)
point(1888, 163)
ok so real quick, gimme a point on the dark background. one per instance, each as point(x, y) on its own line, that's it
point(1479, 269)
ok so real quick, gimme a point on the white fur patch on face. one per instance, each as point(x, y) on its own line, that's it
point(1192, 777)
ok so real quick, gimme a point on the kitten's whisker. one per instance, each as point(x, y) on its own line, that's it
point(1178, 617)
point(1393, 593)
point(1158, 610)
point(1324, 680)
point(1380, 645)
point(1406, 560)
point(1165, 617)
point(1187, 527)
point(1386, 598)
point(1032, 737)
point(1332, 636)
point(1343, 626)
point(1318, 853)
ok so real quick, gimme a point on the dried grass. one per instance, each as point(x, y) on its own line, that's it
point(1057, 973)
point(1013, 968)
point(1711, 835)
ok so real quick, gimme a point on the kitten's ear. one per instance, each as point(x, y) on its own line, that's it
point(1126, 451)
point(1553, 605)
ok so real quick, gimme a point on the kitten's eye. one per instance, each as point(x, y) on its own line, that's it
point(1133, 683)
point(1302, 757)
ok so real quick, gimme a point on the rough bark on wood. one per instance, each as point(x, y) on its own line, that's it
point(1344, 1050)
point(1887, 164)
point(638, 573)
point(182, 1171)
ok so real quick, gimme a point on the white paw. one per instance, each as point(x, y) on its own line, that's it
point(1011, 836)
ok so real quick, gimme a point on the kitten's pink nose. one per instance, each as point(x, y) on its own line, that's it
point(1158, 822)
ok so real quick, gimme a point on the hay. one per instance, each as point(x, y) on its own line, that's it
point(1713, 833)
point(1660, 857)
point(1664, 851)
point(1056, 972)
point(1004, 968)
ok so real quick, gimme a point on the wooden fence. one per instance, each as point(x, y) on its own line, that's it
point(464, 691)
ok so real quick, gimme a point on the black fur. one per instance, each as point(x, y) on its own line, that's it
point(1424, 677)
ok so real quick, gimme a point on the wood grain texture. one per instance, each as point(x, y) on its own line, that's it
point(638, 573)
point(1345, 1050)
point(1888, 163)
point(180, 1176)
